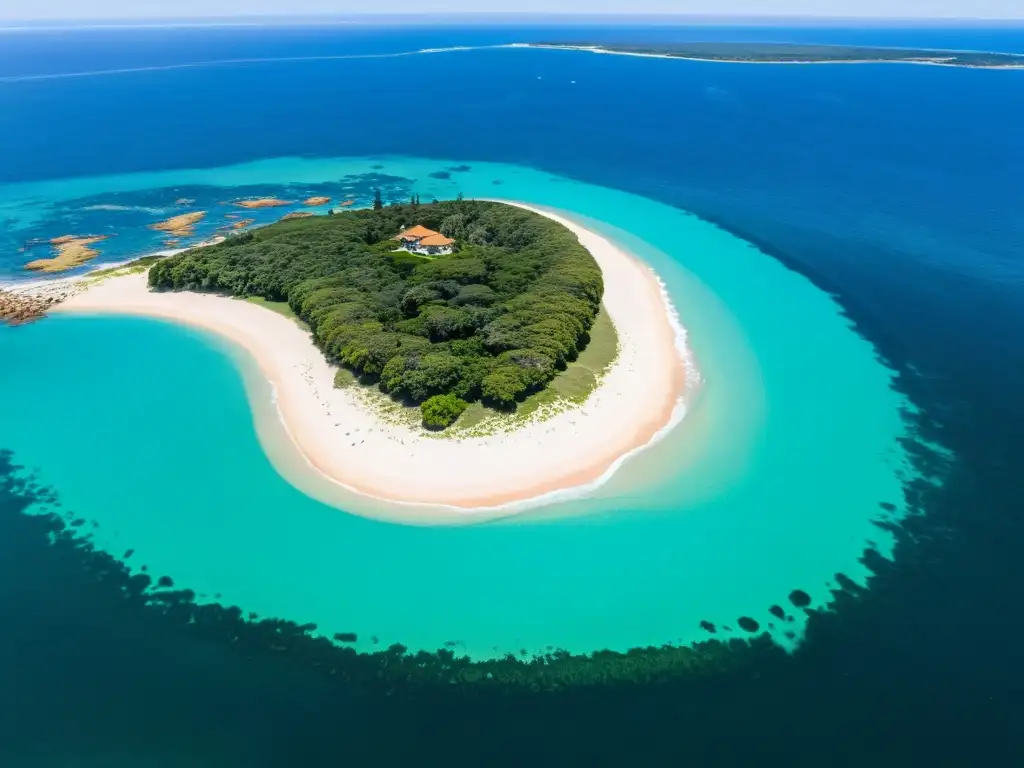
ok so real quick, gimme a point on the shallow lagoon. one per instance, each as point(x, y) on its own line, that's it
point(772, 483)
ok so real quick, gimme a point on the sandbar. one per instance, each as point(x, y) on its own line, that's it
point(342, 440)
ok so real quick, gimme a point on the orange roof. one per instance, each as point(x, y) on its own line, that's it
point(415, 233)
point(436, 239)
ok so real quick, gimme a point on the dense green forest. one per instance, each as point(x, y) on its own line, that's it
point(494, 321)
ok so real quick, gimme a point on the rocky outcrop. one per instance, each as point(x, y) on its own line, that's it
point(21, 308)
point(70, 251)
point(182, 225)
point(262, 202)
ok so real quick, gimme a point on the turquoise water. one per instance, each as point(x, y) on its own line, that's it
point(772, 483)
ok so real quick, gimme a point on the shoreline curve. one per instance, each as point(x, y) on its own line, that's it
point(640, 398)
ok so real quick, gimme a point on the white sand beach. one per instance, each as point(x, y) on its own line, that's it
point(343, 441)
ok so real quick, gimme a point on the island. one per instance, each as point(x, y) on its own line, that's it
point(794, 53)
point(535, 354)
point(262, 202)
point(494, 321)
point(70, 251)
point(315, 201)
point(182, 225)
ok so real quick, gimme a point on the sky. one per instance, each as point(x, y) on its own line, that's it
point(151, 9)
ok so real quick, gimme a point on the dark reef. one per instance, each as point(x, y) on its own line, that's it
point(747, 624)
point(249, 637)
point(799, 598)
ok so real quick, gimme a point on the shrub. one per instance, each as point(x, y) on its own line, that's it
point(441, 411)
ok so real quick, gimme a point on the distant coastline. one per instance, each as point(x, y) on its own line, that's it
point(787, 53)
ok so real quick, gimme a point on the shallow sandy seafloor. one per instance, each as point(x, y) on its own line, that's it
point(771, 483)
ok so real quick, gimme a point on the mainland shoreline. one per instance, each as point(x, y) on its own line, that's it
point(337, 438)
point(936, 61)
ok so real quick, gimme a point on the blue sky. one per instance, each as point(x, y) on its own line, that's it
point(122, 9)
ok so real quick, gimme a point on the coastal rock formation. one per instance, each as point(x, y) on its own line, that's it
point(242, 224)
point(296, 215)
point(20, 308)
point(262, 202)
point(312, 201)
point(182, 225)
point(70, 251)
point(347, 203)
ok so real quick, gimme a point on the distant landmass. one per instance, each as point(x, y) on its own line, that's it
point(792, 53)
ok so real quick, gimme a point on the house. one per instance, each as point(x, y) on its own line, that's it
point(436, 244)
point(425, 241)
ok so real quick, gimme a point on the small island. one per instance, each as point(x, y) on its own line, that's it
point(262, 202)
point(182, 225)
point(795, 53)
point(458, 357)
point(70, 251)
point(438, 305)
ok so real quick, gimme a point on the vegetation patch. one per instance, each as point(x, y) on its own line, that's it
point(280, 307)
point(492, 323)
point(131, 268)
point(344, 378)
point(441, 411)
point(569, 389)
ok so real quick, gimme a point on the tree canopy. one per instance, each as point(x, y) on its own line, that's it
point(495, 320)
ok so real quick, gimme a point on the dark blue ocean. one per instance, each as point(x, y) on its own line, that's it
point(896, 188)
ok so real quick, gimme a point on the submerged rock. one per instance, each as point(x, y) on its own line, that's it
point(747, 624)
point(799, 598)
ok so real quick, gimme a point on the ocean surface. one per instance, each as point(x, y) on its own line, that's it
point(839, 513)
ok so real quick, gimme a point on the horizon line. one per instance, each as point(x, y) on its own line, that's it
point(487, 16)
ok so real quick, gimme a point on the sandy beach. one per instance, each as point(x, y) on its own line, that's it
point(338, 438)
